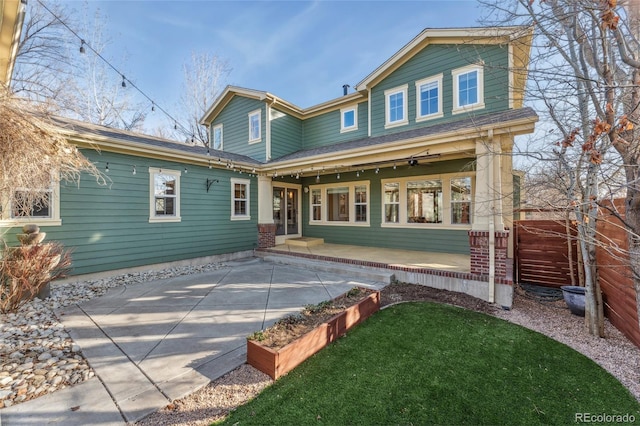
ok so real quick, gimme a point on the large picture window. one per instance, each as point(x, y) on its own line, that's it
point(339, 204)
point(424, 201)
point(427, 201)
point(165, 195)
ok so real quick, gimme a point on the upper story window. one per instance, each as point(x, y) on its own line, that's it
point(165, 195)
point(429, 98)
point(22, 209)
point(216, 136)
point(468, 88)
point(240, 207)
point(396, 106)
point(349, 119)
point(255, 126)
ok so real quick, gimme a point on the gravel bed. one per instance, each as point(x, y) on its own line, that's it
point(37, 355)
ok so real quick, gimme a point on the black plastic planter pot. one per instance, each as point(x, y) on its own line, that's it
point(574, 298)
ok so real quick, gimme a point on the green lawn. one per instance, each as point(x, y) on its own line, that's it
point(425, 363)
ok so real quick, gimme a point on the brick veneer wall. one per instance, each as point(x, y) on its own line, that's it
point(479, 245)
point(266, 235)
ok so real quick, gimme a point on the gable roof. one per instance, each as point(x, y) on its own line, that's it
point(231, 91)
point(472, 35)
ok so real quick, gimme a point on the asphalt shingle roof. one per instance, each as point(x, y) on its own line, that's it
point(467, 123)
point(87, 130)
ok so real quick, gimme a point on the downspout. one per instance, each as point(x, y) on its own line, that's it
point(492, 224)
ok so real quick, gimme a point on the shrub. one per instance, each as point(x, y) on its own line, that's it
point(25, 270)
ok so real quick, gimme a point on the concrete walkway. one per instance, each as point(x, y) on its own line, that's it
point(155, 342)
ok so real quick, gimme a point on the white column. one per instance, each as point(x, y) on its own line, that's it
point(488, 194)
point(265, 199)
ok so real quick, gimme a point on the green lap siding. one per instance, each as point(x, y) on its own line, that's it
point(436, 59)
point(107, 227)
point(235, 127)
point(286, 134)
point(324, 129)
point(434, 240)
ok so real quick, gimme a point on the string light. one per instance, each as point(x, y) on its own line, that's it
point(125, 82)
point(153, 106)
point(318, 177)
point(106, 169)
point(133, 172)
point(358, 174)
point(186, 171)
point(338, 175)
point(377, 170)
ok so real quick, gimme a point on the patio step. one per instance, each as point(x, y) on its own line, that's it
point(368, 273)
point(304, 241)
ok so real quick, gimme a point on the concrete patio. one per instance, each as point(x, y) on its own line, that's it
point(154, 342)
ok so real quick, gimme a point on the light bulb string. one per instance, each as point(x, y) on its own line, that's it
point(124, 79)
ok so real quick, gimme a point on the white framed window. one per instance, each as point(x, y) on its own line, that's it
point(316, 205)
point(240, 200)
point(396, 106)
point(349, 119)
point(164, 203)
point(468, 88)
point(391, 202)
point(255, 126)
point(438, 201)
point(461, 200)
point(424, 201)
point(429, 98)
point(216, 137)
point(340, 204)
point(45, 213)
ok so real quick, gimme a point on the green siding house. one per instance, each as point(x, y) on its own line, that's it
point(417, 156)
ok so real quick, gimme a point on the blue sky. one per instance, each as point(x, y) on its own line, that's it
point(301, 51)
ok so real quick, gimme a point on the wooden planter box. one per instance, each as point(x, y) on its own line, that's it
point(279, 362)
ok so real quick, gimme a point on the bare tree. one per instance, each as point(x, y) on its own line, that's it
point(585, 75)
point(50, 68)
point(33, 154)
point(204, 78)
point(44, 61)
point(97, 91)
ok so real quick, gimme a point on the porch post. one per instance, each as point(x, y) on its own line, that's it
point(488, 237)
point(266, 227)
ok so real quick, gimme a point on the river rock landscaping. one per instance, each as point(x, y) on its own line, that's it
point(37, 355)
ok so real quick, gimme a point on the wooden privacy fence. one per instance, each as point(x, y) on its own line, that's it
point(541, 257)
point(541, 253)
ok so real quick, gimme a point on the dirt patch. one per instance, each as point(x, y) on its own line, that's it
point(403, 292)
point(289, 328)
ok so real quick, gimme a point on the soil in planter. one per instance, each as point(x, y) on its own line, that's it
point(289, 328)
